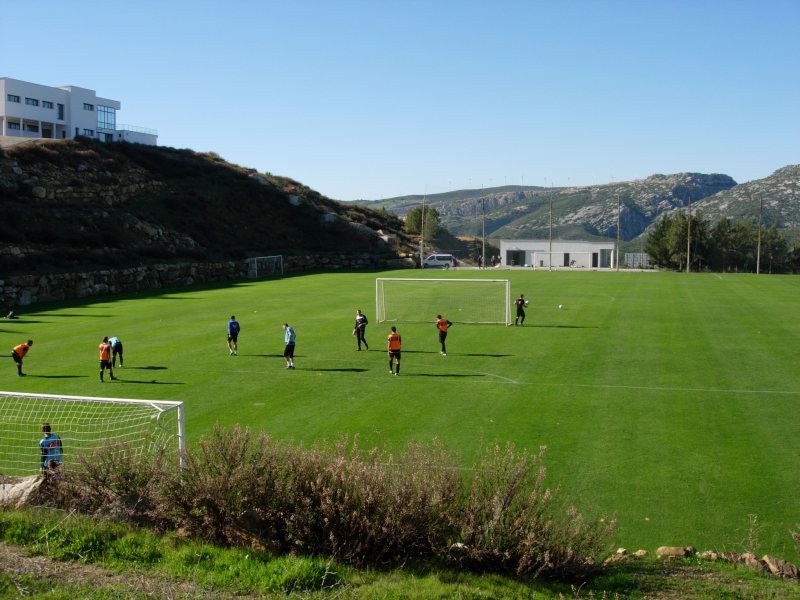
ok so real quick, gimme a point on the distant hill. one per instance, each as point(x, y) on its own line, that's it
point(780, 193)
point(578, 212)
point(591, 212)
point(82, 203)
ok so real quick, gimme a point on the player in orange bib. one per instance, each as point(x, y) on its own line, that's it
point(394, 342)
point(105, 359)
point(18, 353)
point(442, 325)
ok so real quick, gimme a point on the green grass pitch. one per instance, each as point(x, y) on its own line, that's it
point(669, 400)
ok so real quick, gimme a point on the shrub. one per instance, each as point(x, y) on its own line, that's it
point(337, 500)
point(114, 481)
point(511, 522)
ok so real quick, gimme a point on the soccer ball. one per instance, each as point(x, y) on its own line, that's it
point(560, 306)
point(526, 303)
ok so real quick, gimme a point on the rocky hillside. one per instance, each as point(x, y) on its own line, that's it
point(780, 193)
point(68, 204)
point(578, 212)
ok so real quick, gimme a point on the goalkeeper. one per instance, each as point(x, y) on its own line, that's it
point(50, 448)
point(520, 303)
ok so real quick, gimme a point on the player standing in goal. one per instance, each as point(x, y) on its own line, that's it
point(233, 336)
point(520, 303)
point(18, 353)
point(50, 448)
point(360, 328)
point(105, 359)
point(394, 343)
point(442, 325)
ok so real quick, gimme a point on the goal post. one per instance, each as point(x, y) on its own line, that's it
point(417, 300)
point(84, 424)
point(264, 266)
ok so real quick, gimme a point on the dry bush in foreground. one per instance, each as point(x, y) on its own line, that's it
point(359, 507)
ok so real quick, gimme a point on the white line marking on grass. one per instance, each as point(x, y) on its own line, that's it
point(506, 379)
point(666, 389)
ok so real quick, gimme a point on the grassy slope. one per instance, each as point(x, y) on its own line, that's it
point(669, 400)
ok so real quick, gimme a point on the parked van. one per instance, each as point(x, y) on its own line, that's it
point(439, 261)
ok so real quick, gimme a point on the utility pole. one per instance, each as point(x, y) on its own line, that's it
point(550, 248)
point(618, 222)
point(689, 236)
point(422, 230)
point(760, 221)
point(483, 245)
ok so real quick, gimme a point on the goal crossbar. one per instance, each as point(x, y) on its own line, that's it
point(84, 424)
point(461, 300)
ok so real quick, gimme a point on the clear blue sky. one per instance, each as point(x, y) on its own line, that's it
point(378, 98)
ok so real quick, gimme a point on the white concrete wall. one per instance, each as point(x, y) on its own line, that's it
point(538, 253)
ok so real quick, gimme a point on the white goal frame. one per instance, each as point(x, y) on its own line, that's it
point(380, 300)
point(252, 265)
point(83, 427)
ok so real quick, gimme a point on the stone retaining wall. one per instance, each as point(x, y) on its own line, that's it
point(22, 290)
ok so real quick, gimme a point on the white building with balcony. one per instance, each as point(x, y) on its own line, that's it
point(31, 110)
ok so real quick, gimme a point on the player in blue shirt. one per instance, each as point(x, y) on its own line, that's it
point(233, 336)
point(289, 337)
point(50, 448)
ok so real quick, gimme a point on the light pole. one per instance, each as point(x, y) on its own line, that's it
point(483, 245)
point(760, 221)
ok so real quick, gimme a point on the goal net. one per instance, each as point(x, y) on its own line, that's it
point(264, 266)
point(402, 300)
point(84, 425)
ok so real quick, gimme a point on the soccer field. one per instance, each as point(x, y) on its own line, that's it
point(666, 399)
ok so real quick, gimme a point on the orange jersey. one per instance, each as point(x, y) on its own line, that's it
point(442, 324)
point(394, 341)
point(21, 350)
point(105, 351)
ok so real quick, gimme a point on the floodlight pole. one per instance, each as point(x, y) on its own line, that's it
point(758, 246)
point(689, 236)
point(550, 245)
point(422, 230)
point(483, 244)
point(618, 222)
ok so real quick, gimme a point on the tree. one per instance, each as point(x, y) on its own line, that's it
point(774, 252)
point(414, 221)
point(656, 246)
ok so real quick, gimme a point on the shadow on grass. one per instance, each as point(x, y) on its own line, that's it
point(150, 368)
point(344, 370)
point(56, 376)
point(443, 375)
point(267, 355)
point(486, 355)
point(93, 316)
point(563, 326)
point(151, 382)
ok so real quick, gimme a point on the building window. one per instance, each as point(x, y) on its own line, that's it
point(32, 128)
point(88, 132)
point(12, 98)
point(31, 102)
point(60, 112)
point(46, 104)
point(106, 117)
point(87, 106)
point(12, 125)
